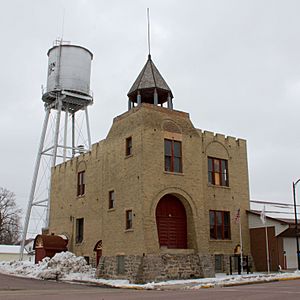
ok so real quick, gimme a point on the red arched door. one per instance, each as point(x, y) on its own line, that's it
point(171, 223)
point(98, 250)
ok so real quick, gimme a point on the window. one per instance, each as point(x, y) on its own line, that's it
point(80, 183)
point(173, 156)
point(128, 219)
point(128, 150)
point(219, 263)
point(79, 230)
point(219, 225)
point(218, 171)
point(87, 259)
point(111, 199)
point(120, 264)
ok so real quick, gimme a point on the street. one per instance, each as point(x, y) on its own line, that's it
point(30, 289)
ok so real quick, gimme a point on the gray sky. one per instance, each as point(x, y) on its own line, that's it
point(233, 65)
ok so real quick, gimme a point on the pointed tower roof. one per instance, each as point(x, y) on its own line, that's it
point(147, 83)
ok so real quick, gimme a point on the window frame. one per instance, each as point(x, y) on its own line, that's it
point(170, 158)
point(218, 177)
point(213, 227)
point(128, 146)
point(81, 183)
point(79, 230)
point(128, 219)
point(111, 199)
point(219, 263)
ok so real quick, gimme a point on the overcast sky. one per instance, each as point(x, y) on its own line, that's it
point(233, 65)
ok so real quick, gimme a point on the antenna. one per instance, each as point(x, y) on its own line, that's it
point(63, 25)
point(148, 19)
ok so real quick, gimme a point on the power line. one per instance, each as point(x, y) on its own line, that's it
point(273, 203)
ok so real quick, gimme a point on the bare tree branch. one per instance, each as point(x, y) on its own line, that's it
point(10, 217)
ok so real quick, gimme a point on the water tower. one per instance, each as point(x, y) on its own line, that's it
point(68, 92)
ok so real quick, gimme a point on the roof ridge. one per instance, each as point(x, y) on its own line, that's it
point(151, 65)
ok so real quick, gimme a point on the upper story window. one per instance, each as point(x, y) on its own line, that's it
point(81, 183)
point(79, 230)
point(128, 146)
point(111, 199)
point(219, 222)
point(128, 219)
point(218, 171)
point(173, 159)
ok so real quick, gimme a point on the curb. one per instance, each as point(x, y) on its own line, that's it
point(261, 281)
point(105, 285)
point(91, 283)
point(180, 286)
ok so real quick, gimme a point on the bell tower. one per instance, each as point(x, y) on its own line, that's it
point(150, 87)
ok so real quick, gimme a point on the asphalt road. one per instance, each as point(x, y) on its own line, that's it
point(31, 289)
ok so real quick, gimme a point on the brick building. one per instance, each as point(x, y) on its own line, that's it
point(157, 198)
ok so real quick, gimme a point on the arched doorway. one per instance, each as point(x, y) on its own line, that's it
point(98, 250)
point(171, 223)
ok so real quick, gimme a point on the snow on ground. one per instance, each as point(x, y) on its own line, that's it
point(65, 266)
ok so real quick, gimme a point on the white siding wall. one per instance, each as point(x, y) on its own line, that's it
point(289, 246)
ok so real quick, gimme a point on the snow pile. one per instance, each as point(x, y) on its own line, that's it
point(62, 266)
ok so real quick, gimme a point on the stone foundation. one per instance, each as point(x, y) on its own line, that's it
point(139, 269)
point(224, 264)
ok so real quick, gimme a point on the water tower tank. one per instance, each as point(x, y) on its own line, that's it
point(69, 70)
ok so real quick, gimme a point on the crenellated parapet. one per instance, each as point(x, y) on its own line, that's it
point(209, 136)
point(229, 143)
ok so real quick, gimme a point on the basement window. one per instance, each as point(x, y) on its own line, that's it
point(120, 264)
point(218, 263)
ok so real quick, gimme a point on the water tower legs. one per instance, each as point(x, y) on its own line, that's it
point(54, 152)
point(65, 135)
point(34, 181)
point(88, 127)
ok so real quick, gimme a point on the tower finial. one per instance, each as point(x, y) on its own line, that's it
point(148, 19)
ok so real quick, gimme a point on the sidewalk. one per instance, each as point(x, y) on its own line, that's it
point(221, 280)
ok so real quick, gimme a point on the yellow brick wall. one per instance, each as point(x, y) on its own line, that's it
point(139, 182)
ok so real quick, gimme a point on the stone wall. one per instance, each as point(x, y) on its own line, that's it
point(225, 264)
point(147, 268)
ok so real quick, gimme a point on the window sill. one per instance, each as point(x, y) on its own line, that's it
point(219, 186)
point(111, 209)
point(127, 156)
point(80, 196)
point(128, 230)
point(174, 173)
point(164, 250)
point(215, 240)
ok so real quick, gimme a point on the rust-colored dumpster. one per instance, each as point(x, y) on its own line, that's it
point(48, 245)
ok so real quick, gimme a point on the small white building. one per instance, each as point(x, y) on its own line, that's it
point(12, 252)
